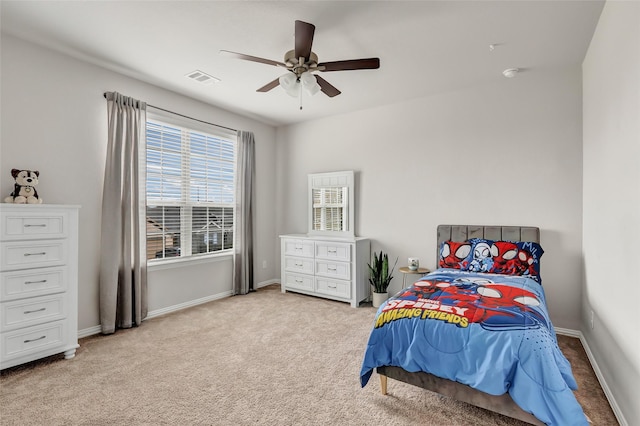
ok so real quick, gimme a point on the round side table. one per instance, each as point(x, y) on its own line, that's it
point(406, 271)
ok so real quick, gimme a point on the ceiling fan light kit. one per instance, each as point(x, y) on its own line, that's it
point(292, 84)
point(301, 63)
point(289, 83)
point(309, 83)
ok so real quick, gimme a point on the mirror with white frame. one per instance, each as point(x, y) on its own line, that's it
point(331, 204)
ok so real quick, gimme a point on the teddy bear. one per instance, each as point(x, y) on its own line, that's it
point(24, 191)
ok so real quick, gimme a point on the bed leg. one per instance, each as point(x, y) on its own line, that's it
point(383, 384)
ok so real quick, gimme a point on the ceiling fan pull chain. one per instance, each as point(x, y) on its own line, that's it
point(300, 84)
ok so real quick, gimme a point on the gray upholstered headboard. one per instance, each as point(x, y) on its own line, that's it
point(496, 233)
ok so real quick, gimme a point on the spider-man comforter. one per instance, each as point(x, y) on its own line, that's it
point(491, 332)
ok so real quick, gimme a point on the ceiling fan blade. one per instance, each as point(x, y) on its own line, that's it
point(252, 58)
point(326, 87)
point(304, 39)
point(269, 86)
point(353, 64)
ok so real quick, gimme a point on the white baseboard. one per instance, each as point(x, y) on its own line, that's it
point(268, 282)
point(605, 387)
point(189, 304)
point(89, 331)
point(568, 332)
point(158, 312)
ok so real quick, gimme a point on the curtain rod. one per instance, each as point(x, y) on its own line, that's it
point(185, 116)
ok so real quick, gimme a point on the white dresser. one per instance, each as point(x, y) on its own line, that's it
point(326, 267)
point(38, 282)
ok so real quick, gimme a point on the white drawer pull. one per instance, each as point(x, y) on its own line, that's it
point(37, 310)
point(34, 340)
point(37, 225)
point(35, 282)
point(299, 264)
point(36, 254)
point(332, 251)
point(299, 281)
point(332, 268)
point(332, 286)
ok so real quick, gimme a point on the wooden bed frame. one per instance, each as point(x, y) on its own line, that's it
point(502, 404)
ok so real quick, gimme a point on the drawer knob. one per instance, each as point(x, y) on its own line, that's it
point(332, 251)
point(37, 310)
point(332, 268)
point(35, 282)
point(35, 340)
point(36, 254)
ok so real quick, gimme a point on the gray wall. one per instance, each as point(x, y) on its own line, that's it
point(54, 120)
point(611, 232)
point(507, 153)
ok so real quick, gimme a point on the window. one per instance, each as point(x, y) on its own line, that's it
point(329, 206)
point(190, 190)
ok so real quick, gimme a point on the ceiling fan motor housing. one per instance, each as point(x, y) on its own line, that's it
point(299, 65)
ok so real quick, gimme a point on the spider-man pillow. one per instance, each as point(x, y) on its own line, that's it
point(506, 257)
point(455, 255)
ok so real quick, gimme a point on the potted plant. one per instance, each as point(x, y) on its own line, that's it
point(380, 277)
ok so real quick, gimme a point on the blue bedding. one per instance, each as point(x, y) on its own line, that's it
point(489, 331)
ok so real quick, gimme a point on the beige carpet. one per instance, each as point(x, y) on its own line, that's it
point(265, 358)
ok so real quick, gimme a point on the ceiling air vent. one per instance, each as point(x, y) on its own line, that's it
point(202, 77)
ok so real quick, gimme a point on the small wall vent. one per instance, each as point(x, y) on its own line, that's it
point(202, 77)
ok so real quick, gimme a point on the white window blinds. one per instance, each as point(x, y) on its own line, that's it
point(329, 209)
point(190, 190)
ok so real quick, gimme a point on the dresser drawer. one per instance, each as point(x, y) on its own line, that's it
point(33, 254)
point(334, 288)
point(300, 248)
point(333, 251)
point(338, 270)
point(33, 339)
point(27, 312)
point(33, 282)
point(299, 282)
point(298, 264)
point(26, 224)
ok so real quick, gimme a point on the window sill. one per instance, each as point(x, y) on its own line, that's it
point(187, 261)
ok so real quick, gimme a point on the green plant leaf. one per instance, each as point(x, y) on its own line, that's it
point(380, 275)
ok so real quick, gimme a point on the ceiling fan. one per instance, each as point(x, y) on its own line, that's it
point(302, 62)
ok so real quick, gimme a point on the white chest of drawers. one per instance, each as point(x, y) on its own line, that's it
point(38, 282)
point(325, 267)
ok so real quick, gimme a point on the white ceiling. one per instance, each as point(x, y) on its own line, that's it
point(425, 47)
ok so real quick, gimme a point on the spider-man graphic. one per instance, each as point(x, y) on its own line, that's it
point(423, 289)
point(453, 254)
point(509, 259)
point(493, 306)
point(505, 257)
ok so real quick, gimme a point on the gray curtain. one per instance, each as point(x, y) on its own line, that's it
point(123, 263)
point(243, 237)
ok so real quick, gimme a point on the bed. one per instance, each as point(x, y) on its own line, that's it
point(477, 329)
